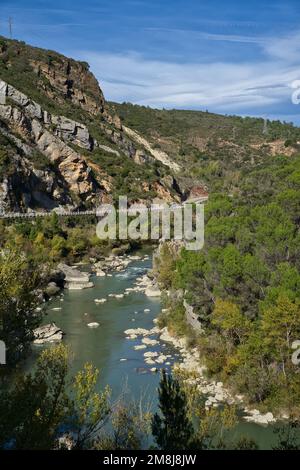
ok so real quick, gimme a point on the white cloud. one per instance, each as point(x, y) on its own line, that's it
point(195, 33)
point(249, 86)
point(225, 87)
point(286, 48)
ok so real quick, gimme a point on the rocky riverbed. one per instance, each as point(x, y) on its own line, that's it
point(189, 362)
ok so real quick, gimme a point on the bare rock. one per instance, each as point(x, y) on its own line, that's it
point(49, 333)
point(75, 279)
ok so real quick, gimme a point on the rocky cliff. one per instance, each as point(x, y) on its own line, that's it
point(59, 144)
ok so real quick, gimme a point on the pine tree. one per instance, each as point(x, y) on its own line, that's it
point(172, 429)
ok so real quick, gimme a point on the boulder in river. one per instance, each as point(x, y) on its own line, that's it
point(49, 333)
point(52, 289)
point(139, 346)
point(93, 324)
point(100, 273)
point(75, 279)
point(100, 301)
point(150, 342)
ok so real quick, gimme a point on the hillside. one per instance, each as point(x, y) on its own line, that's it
point(59, 144)
point(214, 148)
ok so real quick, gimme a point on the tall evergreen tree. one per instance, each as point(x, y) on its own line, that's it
point(172, 429)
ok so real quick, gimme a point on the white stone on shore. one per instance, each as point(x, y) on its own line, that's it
point(239, 398)
point(131, 337)
point(152, 291)
point(258, 418)
point(150, 342)
point(216, 392)
point(137, 331)
point(161, 359)
point(220, 396)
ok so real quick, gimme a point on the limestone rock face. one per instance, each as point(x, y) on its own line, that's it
point(192, 317)
point(74, 171)
point(73, 131)
point(27, 187)
point(71, 79)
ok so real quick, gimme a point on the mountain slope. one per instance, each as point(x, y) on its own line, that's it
point(212, 148)
point(59, 145)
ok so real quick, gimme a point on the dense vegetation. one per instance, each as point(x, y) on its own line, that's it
point(245, 286)
point(178, 123)
point(47, 240)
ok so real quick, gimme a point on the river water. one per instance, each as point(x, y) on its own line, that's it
point(120, 365)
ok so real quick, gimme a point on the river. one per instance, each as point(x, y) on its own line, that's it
point(120, 365)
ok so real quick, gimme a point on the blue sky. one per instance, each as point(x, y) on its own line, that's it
point(226, 56)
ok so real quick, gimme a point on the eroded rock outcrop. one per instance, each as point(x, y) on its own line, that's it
point(73, 174)
point(49, 333)
point(71, 79)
